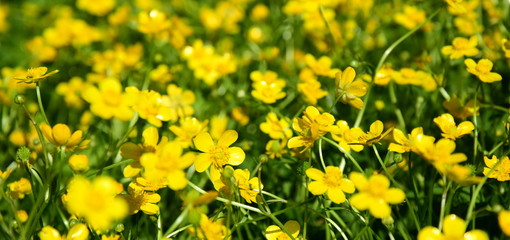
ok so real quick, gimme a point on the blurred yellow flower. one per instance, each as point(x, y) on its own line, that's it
point(504, 221)
point(414, 77)
point(267, 86)
point(439, 153)
point(96, 201)
point(109, 101)
point(72, 91)
point(96, 7)
point(166, 166)
point(356, 136)
point(240, 116)
point(209, 229)
point(79, 163)
point(350, 90)
point(311, 126)
point(78, 231)
point(459, 110)
point(149, 106)
point(321, 66)
point(218, 155)
point(275, 148)
point(403, 144)
point(500, 172)
point(20, 188)
point(178, 101)
point(4, 12)
point(274, 232)
point(35, 75)
point(447, 125)
point(375, 194)
point(276, 128)
point(139, 199)
point(153, 22)
point(187, 129)
point(482, 70)
point(411, 17)
point(331, 182)
point(61, 136)
point(461, 47)
point(505, 45)
point(259, 12)
point(453, 228)
point(129, 150)
point(22, 215)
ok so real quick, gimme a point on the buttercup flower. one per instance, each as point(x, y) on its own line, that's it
point(79, 163)
point(450, 131)
point(109, 101)
point(501, 172)
point(209, 229)
point(218, 155)
point(331, 182)
point(375, 194)
point(149, 105)
point(482, 70)
point(138, 199)
point(178, 101)
point(403, 144)
point(188, 129)
point(453, 228)
point(129, 150)
point(20, 188)
point(79, 231)
point(504, 221)
point(311, 126)
point(35, 75)
point(96, 201)
point(356, 136)
point(461, 47)
point(349, 89)
point(339, 135)
point(505, 45)
point(248, 187)
point(61, 136)
point(276, 128)
point(274, 232)
point(267, 86)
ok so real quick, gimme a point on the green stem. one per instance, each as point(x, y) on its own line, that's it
point(383, 59)
point(398, 112)
point(328, 26)
point(349, 156)
point(443, 202)
point(320, 155)
point(39, 102)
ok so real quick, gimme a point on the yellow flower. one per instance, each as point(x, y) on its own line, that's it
point(331, 182)
point(462, 175)
point(188, 129)
point(504, 221)
point(482, 70)
point(276, 128)
point(311, 91)
point(162, 74)
point(450, 131)
point(22, 215)
point(166, 165)
point(375, 194)
point(321, 67)
point(179, 102)
point(274, 232)
point(218, 155)
point(153, 22)
point(129, 150)
point(149, 106)
point(501, 172)
point(209, 229)
point(108, 101)
point(20, 188)
point(61, 136)
point(138, 199)
point(383, 76)
point(259, 12)
point(96, 201)
point(453, 228)
point(458, 110)
point(413, 77)
point(349, 89)
point(505, 45)
point(411, 17)
point(78, 231)
point(339, 135)
point(275, 148)
point(71, 91)
point(356, 136)
point(440, 152)
point(96, 7)
point(311, 126)
point(35, 75)
point(218, 125)
point(79, 163)
point(403, 144)
point(248, 188)
point(461, 47)
point(240, 116)
point(267, 86)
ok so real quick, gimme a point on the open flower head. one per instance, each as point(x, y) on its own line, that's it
point(482, 70)
point(340, 133)
point(35, 75)
point(453, 228)
point(349, 89)
point(61, 136)
point(20, 188)
point(139, 199)
point(375, 194)
point(461, 47)
point(311, 126)
point(218, 155)
point(209, 229)
point(276, 128)
point(274, 232)
point(331, 182)
point(501, 171)
point(447, 125)
point(356, 136)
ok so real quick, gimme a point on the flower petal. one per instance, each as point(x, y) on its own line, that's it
point(202, 162)
point(336, 195)
point(380, 209)
point(430, 233)
point(314, 173)
point(317, 187)
point(203, 142)
point(454, 226)
point(150, 136)
point(236, 156)
point(227, 138)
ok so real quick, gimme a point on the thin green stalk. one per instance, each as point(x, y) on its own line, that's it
point(398, 113)
point(344, 152)
point(383, 59)
point(39, 135)
point(328, 26)
point(320, 155)
point(177, 221)
point(443, 201)
point(39, 102)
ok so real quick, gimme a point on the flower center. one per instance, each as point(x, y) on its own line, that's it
point(332, 179)
point(219, 156)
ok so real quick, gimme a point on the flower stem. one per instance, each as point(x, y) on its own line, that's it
point(39, 102)
point(349, 156)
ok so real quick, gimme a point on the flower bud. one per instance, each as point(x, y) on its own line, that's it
point(79, 163)
point(19, 99)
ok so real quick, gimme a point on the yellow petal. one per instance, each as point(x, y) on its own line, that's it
point(504, 221)
point(317, 187)
point(152, 197)
point(177, 180)
point(464, 128)
point(347, 76)
point(394, 196)
point(149, 208)
point(130, 151)
point(336, 195)
point(380, 209)
point(273, 232)
point(61, 134)
point(78, 232)
point(359, 180)
point(361, 201)
point(150, 136)
point(454, 226)
point(376, 128)
point(358, 88)
point(293, 227)
point(347, 185)
point(202, 162)
point(314, 173)
point(130, 171)
point(476, 235)
point(47, 132)
point(356, 103)
point(296, 142)
point(236, 156)
point(203, 142)
point(227, 138)
point(490, 77)
point(75, 139)
point(49, 233)
point(430, 233)
point(470, 63)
